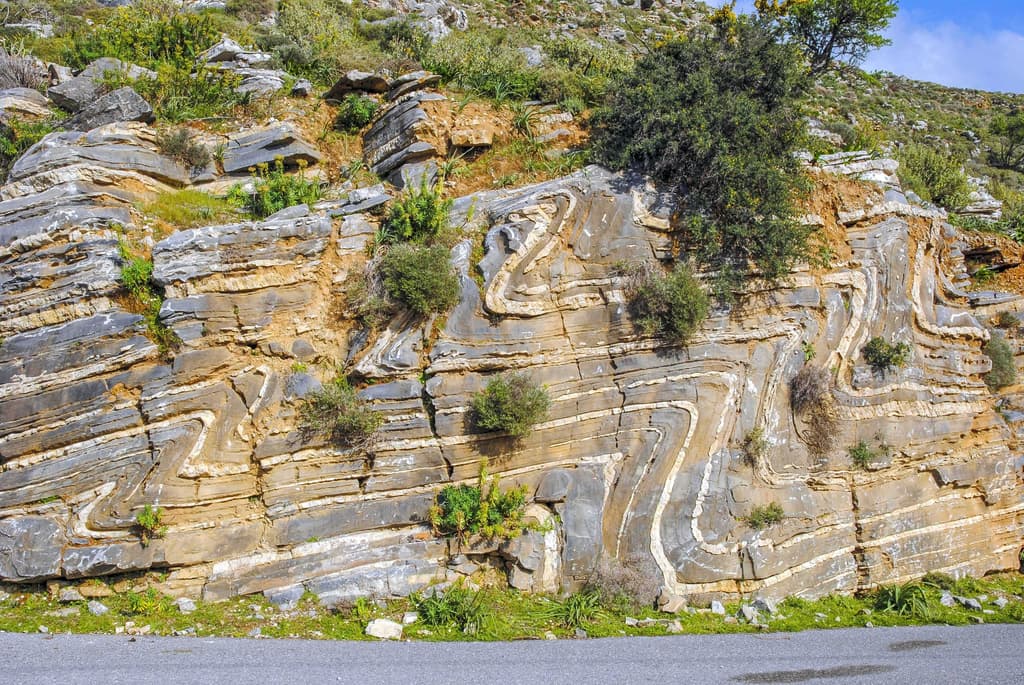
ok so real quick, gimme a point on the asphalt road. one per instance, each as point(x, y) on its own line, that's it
point(932, 655)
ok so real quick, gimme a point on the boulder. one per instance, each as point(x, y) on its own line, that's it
point(669, 602)
point(765, 605)
point(81, 91)
point(384, 629)
point(748, 614)
point(400, 135)
point(21, 103)
point(264, 145)
point(357, 81)
point(70, 594)
point(303, 88)
point(227, 51)
point(185, 605)
point(30, 548)
point(413, 81)
point(121, 105)
point(97, 608)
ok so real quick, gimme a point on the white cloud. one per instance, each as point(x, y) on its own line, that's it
point(952, 55)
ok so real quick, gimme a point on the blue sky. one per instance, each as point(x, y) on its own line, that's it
point(965, 43)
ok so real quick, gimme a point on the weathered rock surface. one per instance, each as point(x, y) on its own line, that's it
point(404, 133)
point(639, 458)
point(123, 104)
point(251, 66)
point(123, 157)
point(75, 94)
point(264, 145)
point(22, 103)
point(357, 81)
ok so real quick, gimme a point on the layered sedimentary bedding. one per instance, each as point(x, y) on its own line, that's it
point(640, 456)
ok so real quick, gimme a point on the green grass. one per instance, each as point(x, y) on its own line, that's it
point(492, 614)
point(189, 208)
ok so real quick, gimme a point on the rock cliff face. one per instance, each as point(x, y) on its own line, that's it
point(640, 456)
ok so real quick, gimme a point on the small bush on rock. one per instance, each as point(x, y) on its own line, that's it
point(884, 356)
point(755, 446)
point(465, 510)
point(934, 176)
point(146, 296)
point(511, 403)
point(861, 455)
point(809, 388)
point(149, 521)
point(420, 215)
point(251, 11)
point(672, 306)
point(1004, 368)
point(274, 190)
point(19, 71)
point(421, 278)
point(765, 515)
point(180, 145)
point(338, 412)
point(355, 112)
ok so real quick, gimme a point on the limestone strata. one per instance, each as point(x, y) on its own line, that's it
point(639, 457)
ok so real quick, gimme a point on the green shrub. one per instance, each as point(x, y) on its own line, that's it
point(337, 412)
point(251, 11)
point(1005, 319)
point(765, 515)
point(188, 208)
point(576, 610)
point(16, 137)
point(511, 403)
point(182, 147)
point(274, 190)
point(458, 607)
point(883, 356)
point(934, 176)
point(483, 60)
point(754, 446)
point(581, 69)
point(147, 34)
point(1004, 367)
point(942, 581)
point(718, 118)
point(316, 40)
point(400, 38)
point(908, 599)
point(147, 603)
point(421, 278)
point(861, 455)
point(672, 306)
point(420, 214)
point(149, 521)
point(146, 296)
point(355, 112)
point(465, 510)
point(177, 94)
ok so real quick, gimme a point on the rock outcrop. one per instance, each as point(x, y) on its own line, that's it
point(640, 456)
